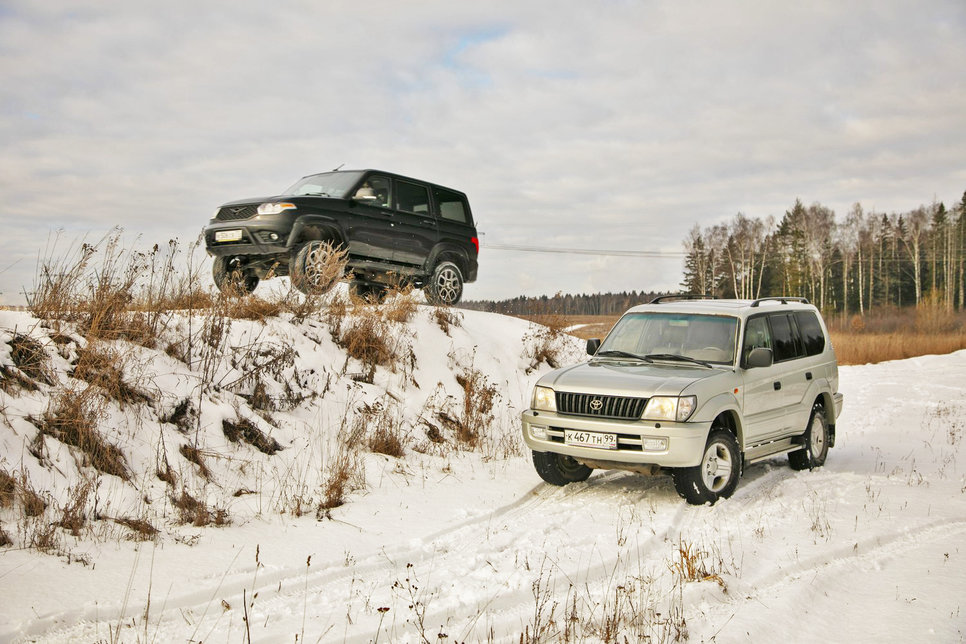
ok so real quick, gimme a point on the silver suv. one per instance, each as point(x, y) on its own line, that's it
point(695, 387)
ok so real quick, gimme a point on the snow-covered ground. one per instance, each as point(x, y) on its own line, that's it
point(450, 543)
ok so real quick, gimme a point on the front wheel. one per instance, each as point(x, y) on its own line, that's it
point(229, 277)
point(558, 469)
point(317, 267)
point(717, 475)
point(813, 454)
point(446, 286)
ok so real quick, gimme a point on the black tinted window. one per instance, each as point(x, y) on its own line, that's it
point(451, 205)
point(784, 335)
point(811, 331)
point(412, 197)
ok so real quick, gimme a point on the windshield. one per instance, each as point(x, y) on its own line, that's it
point(708, 338)
point(327, 184)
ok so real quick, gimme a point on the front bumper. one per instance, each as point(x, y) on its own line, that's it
point(258, 237)
point(683, 447)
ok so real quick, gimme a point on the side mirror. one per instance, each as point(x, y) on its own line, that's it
point(760, 357)
point(592, 345)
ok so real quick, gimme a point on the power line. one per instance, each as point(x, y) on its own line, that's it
point(585, 251)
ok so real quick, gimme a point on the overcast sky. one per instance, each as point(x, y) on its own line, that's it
point(611, 125)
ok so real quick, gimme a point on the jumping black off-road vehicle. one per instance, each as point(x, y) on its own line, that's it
point(394, 230)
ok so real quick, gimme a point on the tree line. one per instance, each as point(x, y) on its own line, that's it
point(870, 259)
point(564, 304)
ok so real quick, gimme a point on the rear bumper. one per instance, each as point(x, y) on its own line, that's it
point(837, 400)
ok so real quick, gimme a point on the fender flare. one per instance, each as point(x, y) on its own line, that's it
point(312, 227)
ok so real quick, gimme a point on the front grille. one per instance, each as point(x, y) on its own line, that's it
point(597, 406)
point(234, 213)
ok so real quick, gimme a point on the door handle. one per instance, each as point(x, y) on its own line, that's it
point(778, 385)
point(808, 375)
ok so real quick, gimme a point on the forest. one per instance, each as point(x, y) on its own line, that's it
point(867, 260)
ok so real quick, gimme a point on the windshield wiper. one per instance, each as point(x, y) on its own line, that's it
point(675, 356)
point(616, 353)
point(316, 194)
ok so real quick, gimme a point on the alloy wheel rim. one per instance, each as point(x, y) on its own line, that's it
point(817, 437)
point(447, 285)
point(716, 467)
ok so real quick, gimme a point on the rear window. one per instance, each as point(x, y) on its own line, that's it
point(784, 337)
point(452, 205)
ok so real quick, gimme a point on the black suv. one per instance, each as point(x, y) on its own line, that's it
point(395, 230)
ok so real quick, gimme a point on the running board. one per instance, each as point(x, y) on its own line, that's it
point(783, 446)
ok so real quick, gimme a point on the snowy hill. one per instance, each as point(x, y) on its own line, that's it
point(280, 479)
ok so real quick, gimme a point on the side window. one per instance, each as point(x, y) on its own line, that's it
point(785, 336)
point(412, 197)
point(811, 331)
point(374, 191)
point(757, 336)
point(451, 205)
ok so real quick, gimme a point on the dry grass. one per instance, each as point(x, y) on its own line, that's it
point(8, 489)
point(339, 480)
point(447, 318)
point(72, 419)
point(194, 512)
point(865, 348)
point(193, 455)
point(102, 366)
point(31, 359)
point(381, 426)
point(141, 529)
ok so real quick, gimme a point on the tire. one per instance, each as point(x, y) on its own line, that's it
point(446, 286)
point(368, 292)
point(816, 436)
point(308, 270)
point(558, 469)
point(717, 475)
point(232, 279)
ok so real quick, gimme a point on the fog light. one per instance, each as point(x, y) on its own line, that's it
point(654, 444)
point(539, 432)
point(273, 236)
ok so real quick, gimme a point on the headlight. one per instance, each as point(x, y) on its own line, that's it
point(670, 408)
point(543, 399)
point(274, 208)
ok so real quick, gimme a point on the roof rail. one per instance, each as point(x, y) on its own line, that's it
point(783, 300)
point(681, 296)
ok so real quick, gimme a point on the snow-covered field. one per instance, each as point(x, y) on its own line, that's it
point(455, 544)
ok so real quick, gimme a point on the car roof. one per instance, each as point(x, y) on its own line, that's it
point(389, 174)
point(736, 308)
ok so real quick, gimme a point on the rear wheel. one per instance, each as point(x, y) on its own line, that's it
point(317, 267)
point(813, 454)
point(229, 276)
point(717, 475)
point(446, 286)
point(558, 469)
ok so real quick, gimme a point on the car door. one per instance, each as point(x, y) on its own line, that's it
point(370, 226)
point(795, 376)
point(414, 225)
point(763, 401)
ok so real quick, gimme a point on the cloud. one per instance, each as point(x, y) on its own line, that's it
point(610, 125)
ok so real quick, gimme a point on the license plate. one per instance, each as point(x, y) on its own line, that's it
point(227, 235)
point(590, 439)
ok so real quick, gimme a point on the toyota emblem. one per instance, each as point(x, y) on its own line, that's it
point(596, 404)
